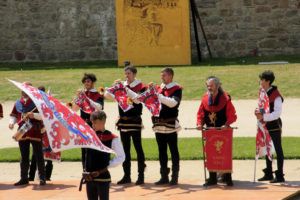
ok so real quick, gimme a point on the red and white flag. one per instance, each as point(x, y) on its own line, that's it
point(65, 129)
point(264, 143)
point(150, 99)
point(119, 93)
point(47, 150)
point(85, 103)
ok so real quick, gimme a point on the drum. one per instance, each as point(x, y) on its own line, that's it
point(22, 130)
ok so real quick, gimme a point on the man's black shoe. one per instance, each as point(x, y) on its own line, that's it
point(162, 181)
point(21, 182)
point(124, 180)
point(42, 182)
point(266, 178)
point(209, 183)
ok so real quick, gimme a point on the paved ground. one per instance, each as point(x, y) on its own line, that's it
point(66, 175)
point(246, 122)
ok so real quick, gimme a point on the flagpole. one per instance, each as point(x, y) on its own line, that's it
point(254, 178)
point(204, 158)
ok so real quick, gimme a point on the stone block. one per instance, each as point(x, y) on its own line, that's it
point(283, 3)
point(271, 44)
point(5, 56)
point(260, 2)
point(247, 2)
point(263, 9)
point(20, 55)
point(291, 13)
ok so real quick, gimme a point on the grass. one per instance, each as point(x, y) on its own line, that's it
point(189, 148)
point(238, 75)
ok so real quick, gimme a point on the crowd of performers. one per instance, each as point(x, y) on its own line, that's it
point(216, 110)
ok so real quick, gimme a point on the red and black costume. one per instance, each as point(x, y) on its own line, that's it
point(216, 112)
point(130, 126)
point(97, 164)
point(95, 96)
point(32, 136)
point(275, 130)
point(165, 127)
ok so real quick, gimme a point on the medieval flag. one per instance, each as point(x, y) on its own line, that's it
point(264, 143)
point(64, 128)
point(47, 150)
point(218, 149)
point(119, 93)
point(150, 99)
point(84, 103)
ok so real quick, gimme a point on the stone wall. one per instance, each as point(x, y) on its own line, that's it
point(237, 28)
point(69, 30)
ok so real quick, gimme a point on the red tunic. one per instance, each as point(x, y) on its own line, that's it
point(132, 118)
point(96, 97)
point(221, 112)
point(35, 132)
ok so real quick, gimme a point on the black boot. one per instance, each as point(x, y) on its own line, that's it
point(279, 177)
point(21, 182)
point(49, 168)
point(174, 179)
point(228, 179)
point(268, 175)
point(164, 177)
point(212, 179)
point(42, 179)
point(43, 182)
point(126, 178)
point(141, 177)
point(31, 178)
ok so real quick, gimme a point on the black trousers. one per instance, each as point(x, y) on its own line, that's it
point(37, 151)
point(163, 141)
point(276, 138)
point(96, 190)
point(32, 169)
point(137, 142)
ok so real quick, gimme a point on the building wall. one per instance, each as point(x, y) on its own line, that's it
point(71, 30)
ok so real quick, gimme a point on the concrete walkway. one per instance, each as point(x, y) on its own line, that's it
point(246, 122)
point(66, 176)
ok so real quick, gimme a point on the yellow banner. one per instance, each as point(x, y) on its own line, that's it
point(153, 32)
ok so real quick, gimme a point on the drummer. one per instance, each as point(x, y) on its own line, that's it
point(27, 117)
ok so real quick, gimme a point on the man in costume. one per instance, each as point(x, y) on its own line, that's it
point(49, 164)
point(166, 126)
point(96, 174)
point(23, 113)
point(274, 126)
point(130, 125)
point(216, 110)
point(95, 102)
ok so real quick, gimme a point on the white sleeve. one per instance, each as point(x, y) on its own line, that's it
point(131, 94)
point(277, 111)
point(12, 120)
point(37, 116)
point(96, 105)
point(170, 102)
point(108, 95)
point(117, 146)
